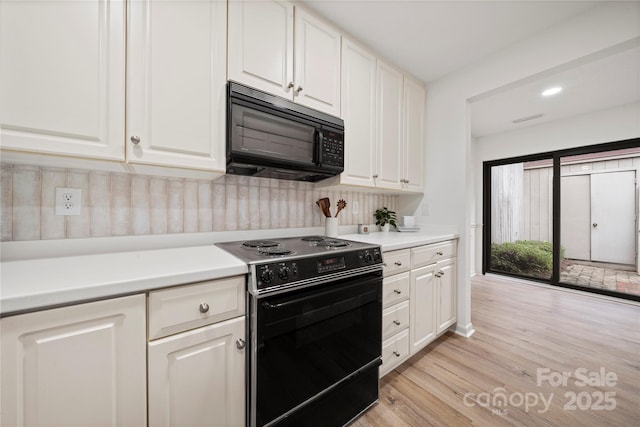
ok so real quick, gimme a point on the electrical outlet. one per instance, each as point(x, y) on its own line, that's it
point(355, 209)
point(68, 201)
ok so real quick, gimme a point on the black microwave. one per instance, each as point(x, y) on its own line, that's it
point(272, 137)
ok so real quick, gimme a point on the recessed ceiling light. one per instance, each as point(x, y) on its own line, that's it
point(552, 91)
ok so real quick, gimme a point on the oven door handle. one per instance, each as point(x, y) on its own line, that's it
point(267, 305)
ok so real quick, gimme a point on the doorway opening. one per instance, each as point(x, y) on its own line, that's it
point(569, 218)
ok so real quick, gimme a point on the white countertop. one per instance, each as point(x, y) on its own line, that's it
point(394, 240)
point(31, 284)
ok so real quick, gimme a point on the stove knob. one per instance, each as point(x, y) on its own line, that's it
point(377, 257)
point(368, 258)
point(284, 272)
point(267, 275)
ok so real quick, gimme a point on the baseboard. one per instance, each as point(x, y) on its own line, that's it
point(465, 331)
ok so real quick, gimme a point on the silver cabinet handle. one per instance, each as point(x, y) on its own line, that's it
point(595, 224)
point(396, 354)
point(240, 343)
point(437, 275)
point(397, 291)
point(395, 322)
point(299, 89)
point(374, 176)
point(441, 273)
point(135, 139)
point(290, 85)
point(204, 307)
point(398, 263)
point(439, 253)
point(406, 181)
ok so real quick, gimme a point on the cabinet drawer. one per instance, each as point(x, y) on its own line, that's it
point(395, 319)
point(396, 262)
point(188, 307)
point(395, 289)
point(425, 255)
point(395, 350)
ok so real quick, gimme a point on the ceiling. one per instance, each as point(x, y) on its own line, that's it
point(430, 39)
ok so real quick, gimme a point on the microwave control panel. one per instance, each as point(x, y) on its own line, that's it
point(332, 149)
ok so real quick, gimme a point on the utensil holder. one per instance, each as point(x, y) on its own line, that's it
point(331, 227)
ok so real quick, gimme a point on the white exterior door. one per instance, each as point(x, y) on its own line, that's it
point(176, 84)
point(575, 210)
point(613, 224)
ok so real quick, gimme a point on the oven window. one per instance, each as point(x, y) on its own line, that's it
point(309, 340)
point(256, 132)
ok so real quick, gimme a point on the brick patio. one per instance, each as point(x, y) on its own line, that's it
point(594, 276)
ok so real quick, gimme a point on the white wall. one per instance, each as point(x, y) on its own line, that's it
point(449, 176)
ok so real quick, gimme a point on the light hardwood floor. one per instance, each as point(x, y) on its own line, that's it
point(521, 330)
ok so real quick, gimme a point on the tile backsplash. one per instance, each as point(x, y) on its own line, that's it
point(118, 204)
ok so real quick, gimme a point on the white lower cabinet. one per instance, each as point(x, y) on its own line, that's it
point(419, 299)
point(196, 367)
point(83, 365)
point(197, 378)
point(423, 307)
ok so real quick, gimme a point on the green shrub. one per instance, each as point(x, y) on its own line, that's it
point(526, 257)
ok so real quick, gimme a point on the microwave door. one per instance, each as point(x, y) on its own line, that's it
point(258, 134)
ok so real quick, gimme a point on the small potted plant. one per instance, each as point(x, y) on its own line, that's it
point(384, 218)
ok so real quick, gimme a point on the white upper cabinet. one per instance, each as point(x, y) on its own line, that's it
point(317, 64)
point(358, 112)
point(261, 45)
point(295, 58)
point(389, 127)
point(413, 143)
point(63, 76)
point(176, 84)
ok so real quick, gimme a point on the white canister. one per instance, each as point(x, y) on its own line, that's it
point(409, 221)
point(331, 227)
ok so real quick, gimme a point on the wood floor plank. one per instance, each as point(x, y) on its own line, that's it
point(526, 337)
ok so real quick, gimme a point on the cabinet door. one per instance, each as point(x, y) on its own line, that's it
point(358, 112)
point(261, 45)
point(422, 321)
point(82, 365)
point(176, 83)
point(63, 69)
point(197, 378)
point(413, 146)
point(447, 294)
point(317, 64)
point(389, 126)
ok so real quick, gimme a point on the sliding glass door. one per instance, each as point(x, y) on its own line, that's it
point(569, 218)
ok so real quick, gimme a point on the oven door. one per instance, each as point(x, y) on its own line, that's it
point(313, 340)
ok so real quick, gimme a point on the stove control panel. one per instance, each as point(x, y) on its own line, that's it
point(275, 273)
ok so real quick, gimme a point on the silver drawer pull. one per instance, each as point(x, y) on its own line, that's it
point(396, 354)
point(396, 323)
point(240, 343)
point(204, 307)
point(441, 273)
point(439, 253)
point(398, 263)
point(397, 291)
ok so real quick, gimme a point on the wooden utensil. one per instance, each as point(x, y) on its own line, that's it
point(341, 205)
point(325, 206)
